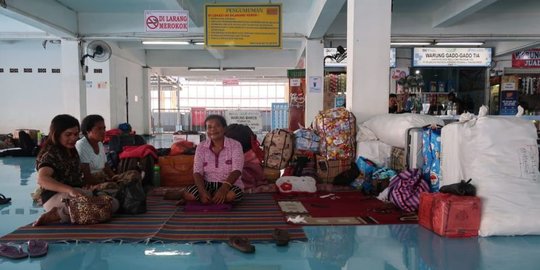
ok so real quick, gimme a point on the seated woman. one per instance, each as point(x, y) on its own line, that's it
point(91, 151)
point(217, 166)
point(58, 167)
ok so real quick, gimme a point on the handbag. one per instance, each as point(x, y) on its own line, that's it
point(87, 210)
point(405, 189)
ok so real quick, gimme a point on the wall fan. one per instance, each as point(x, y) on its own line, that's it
point(98, 50)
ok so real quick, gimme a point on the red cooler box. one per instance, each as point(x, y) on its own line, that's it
point(450, 215)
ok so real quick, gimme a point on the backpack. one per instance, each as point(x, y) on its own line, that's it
point(405, 189)
point(337, 129)
point(242, 134)
point(144, 164)
point(278, 148)
point(117, 143)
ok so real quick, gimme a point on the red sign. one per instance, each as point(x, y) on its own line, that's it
point(198, 114)
point(230, 82)
point(526, 59)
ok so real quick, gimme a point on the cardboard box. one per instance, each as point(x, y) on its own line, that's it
point(450, 215)
point(176, 171)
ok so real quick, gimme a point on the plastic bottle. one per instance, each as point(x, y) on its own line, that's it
point(156, 179)
point(39, 137)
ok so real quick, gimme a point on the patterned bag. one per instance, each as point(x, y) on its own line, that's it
point(306, 140)
point(405, 189)
point(337, 128)
point(278, 148)
point(86, 210)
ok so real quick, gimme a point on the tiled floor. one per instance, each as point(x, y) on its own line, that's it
point(345, 247)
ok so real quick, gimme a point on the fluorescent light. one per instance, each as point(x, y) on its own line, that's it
point(459, 43)
point(203, 69)
point(410, 43)
point(163, 42)
point(239, 69)
point(199, 43)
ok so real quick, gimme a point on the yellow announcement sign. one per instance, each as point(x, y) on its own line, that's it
point(243, 26)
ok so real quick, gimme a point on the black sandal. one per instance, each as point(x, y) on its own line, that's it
point(3, 199)
point(241, 244)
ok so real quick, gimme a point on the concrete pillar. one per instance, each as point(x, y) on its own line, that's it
point(314, 79)
point(147, 103)
point(73, 87)
point(368, 57)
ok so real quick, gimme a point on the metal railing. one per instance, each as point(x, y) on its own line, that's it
point(172, 120)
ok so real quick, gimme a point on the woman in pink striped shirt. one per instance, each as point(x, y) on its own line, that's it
point(217, 167)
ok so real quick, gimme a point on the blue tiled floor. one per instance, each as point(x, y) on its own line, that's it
point(345, 247)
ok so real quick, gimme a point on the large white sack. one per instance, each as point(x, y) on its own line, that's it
point(375, 151)
point(500, 154)
point(451, 170)
point(392, 128)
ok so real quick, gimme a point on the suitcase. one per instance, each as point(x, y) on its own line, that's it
point(431, 150)
point(414, 158)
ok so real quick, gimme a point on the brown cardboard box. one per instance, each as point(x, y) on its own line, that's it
point(176, 171)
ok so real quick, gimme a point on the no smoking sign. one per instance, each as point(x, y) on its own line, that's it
point(166, 21)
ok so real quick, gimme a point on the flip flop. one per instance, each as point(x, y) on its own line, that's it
point(281, 237)
point(37, 248)
point(241, 244)
point(12, 252)
point(3, 199)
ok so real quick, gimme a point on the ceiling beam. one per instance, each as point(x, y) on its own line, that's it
point(46, 15)
point(456, 10)
point(507, 47)
point(323, 14)
point(217, 53)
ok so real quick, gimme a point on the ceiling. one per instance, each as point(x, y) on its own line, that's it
point(505, 25)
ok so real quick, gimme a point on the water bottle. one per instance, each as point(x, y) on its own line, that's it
point(39, 138)
point(156, 181)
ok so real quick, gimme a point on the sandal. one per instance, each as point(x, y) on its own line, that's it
point(3, 199)
point(281, 237)
point(12, 252)
point(241, 244)
point(37, 248)
point(409, 217)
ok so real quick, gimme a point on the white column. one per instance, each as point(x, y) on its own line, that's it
point(73, 87)
point(314, 70)
point(146, 99)
point(368, 57)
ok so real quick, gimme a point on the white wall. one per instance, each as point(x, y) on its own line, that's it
point(98, 90)
point(29, 100)
point(120, 69)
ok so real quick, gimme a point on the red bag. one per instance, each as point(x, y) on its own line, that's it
point(182, 148)
point(450, 215)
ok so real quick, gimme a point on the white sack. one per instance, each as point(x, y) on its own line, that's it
point(392, 128)
point(375, 151)
point(500, 154)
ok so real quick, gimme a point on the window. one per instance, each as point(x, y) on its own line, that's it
point(252, 94)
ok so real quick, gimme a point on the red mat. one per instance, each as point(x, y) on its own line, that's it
point(347, 204)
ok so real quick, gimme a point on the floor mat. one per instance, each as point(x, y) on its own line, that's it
point(340, 208)
point(255, 217)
